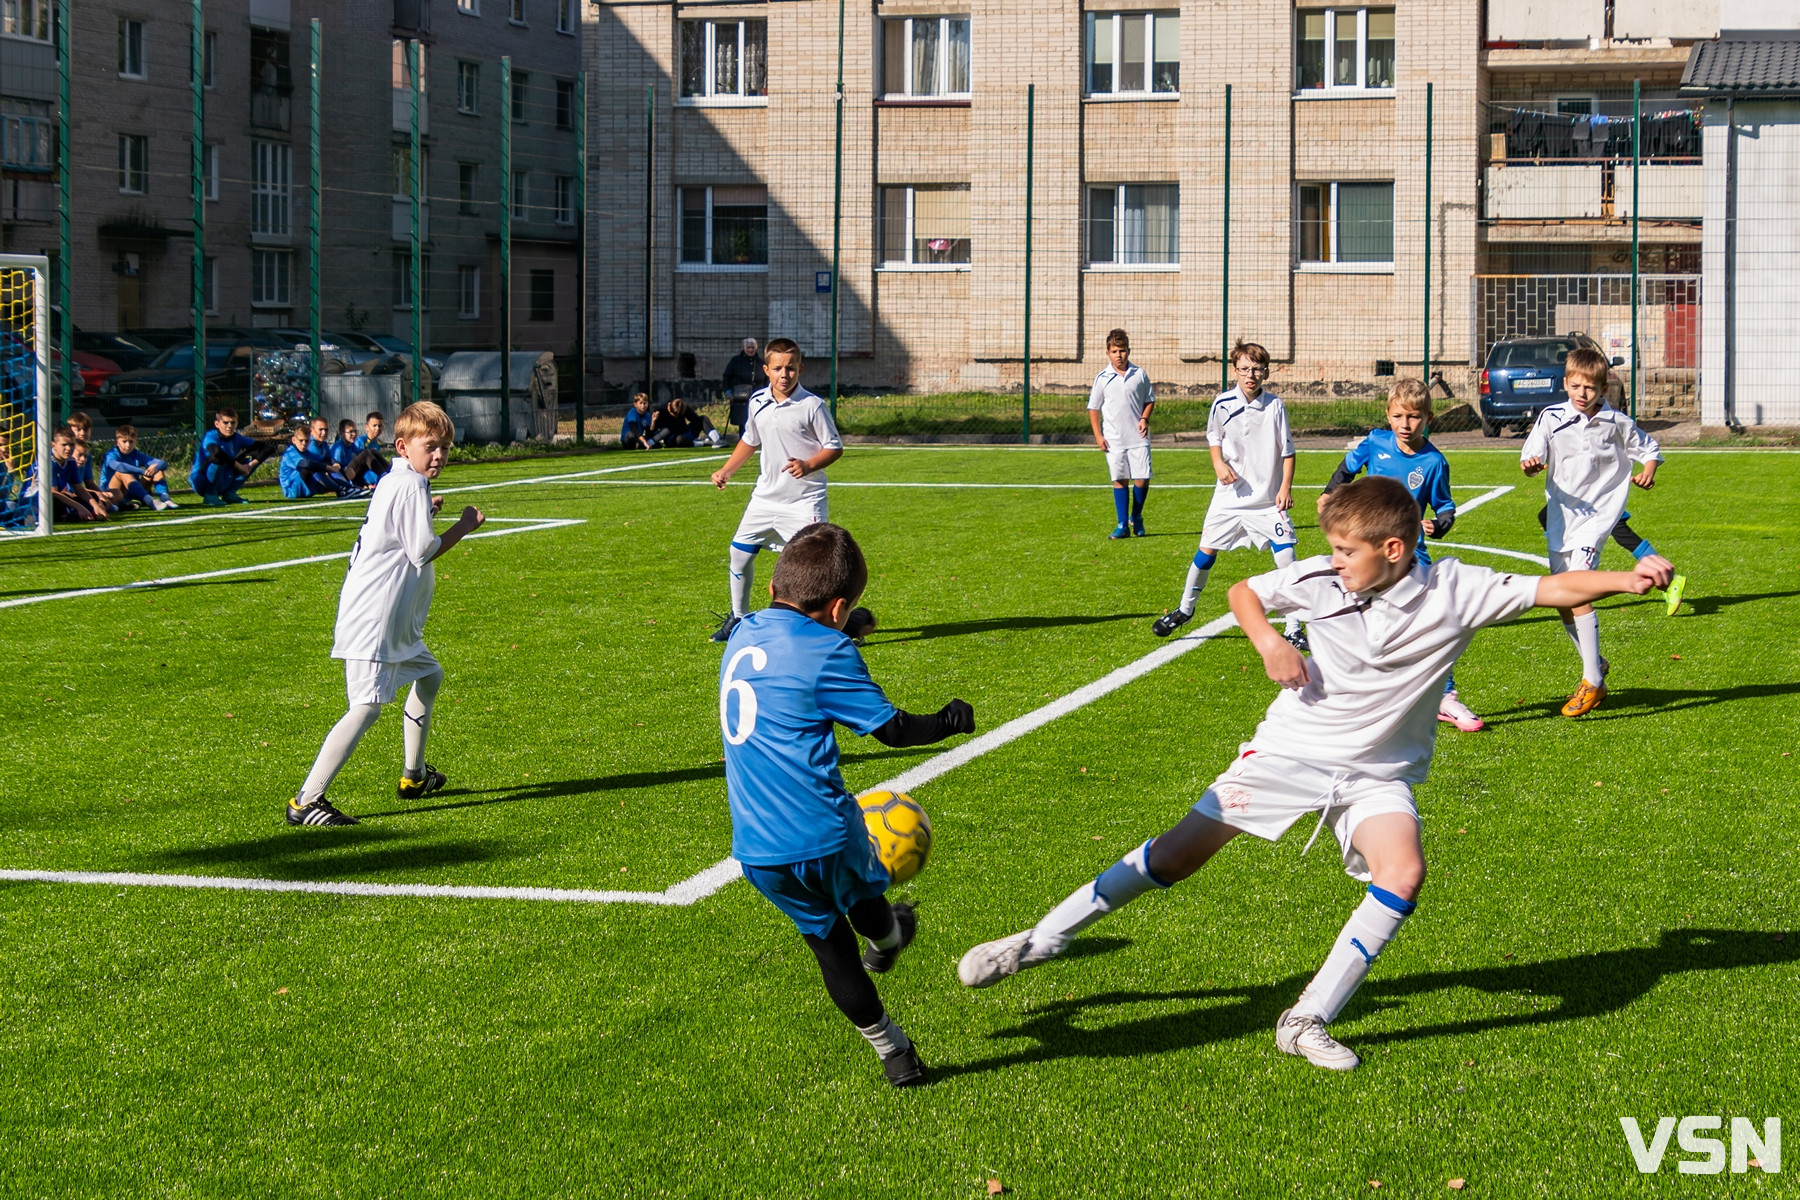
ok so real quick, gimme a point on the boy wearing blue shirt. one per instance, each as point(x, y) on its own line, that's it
point(306, 473)
point(634, 430)
point(1402, 451)
point(789, 674)
point(74, 502)
point(373, 466)
point(224, 459)
point(131, 473)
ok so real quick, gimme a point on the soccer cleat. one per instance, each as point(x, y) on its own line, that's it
point(1455, 712)
point(859, 624)
point(1586, 699)
point(1672, 597)
point(319, 812)
point(904, 1069)
point(417, 789)
point(1121, 530)
point(990, 962)
point(234, 498)
point(1137, 528)
point(212, 501)
point(1169, 622)
point(1297, 639)
point(723, 633)
point(1303, 1034)
point(907, 922)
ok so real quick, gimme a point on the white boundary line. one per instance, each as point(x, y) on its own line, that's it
point(1539, 559)
point(1495, 492)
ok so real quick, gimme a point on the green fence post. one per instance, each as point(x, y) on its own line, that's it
point(1225, 262)
point(581, 260)
point(1030, 143)
point(650, 242)
point(1427, 350)
point(197, 182)
point(1637, 125)
point(506, 199)
point(313, 191)
point(64, 194)
point(837, 210)
point(415, 268)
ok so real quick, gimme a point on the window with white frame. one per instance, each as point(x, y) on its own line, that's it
point(521, 195)
point(1346, 222)
point(26, 134)
point(1134, 53)
point(209, 170)
point(401, 160)
point(565, 16)
point(924, 57)
point(468, 292)
point(401, 81)
point(402, 279)
point(724, 59)
point(271, 278)
point(470, 8)
point(563, 199)
point(468, 87)
point(1344, 48)
point(134, 164)
point(131, 48)
point(26, 19)
point(925, 225)
point(1134, 225)
point(271, 189)
point(722, 228)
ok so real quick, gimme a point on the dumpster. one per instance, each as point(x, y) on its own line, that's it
point(469, 390)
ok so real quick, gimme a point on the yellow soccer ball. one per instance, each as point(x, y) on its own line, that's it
point(899, 830)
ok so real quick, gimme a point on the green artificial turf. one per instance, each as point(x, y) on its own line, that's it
point(1601, 935)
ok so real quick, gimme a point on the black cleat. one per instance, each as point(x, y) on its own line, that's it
point(1170, 621)
point(907, 922)
point(904, 1069)
point(418, 789)
point(723, 633)
point(859, 624)
point(1297, 640)
point(319, 812)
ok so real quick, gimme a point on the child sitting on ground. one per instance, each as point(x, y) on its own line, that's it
point(372, 466)
point(132, 474)
point(224, 459)
point(73, 500)
point(305, 474)
point(634, 431)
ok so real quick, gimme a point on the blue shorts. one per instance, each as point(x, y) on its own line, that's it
point(816, 892)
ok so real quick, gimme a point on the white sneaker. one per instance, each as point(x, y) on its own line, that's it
point(1304, 1034)
point(162, 505)
point(990, 962)
point(1457, 713)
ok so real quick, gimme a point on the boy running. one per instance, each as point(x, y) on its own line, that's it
point(1347, 737)
point(1253, 456)
point(1119, 408)
point(789, 675)
point(381, 613)
point(1588, 449)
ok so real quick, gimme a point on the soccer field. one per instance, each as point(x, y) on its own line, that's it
point(1602, 934)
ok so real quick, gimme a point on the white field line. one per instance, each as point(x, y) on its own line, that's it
point(533, 526)
point(1539, 559)
point(1494, 492)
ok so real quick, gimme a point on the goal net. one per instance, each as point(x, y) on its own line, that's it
point(24, 394)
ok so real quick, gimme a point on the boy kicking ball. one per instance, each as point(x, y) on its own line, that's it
point(789, 674)
point(1588, 449)
point(382, 610)
point(1253, 456)
point(1119, 410)
point(1348, 735)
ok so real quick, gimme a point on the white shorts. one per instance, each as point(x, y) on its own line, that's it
point(1581, 558)
point(1263, 795)
point(771, 523)
point(1129, 462)
point(1236, 528)
point(380, 682)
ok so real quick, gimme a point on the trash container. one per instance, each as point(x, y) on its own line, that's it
point(470, 392)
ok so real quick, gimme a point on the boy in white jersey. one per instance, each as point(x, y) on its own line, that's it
point(1588, 448)
point(382, 610)
point(1347, 737)
point(1253, 456)
point(1119, 408)
point(798, 439)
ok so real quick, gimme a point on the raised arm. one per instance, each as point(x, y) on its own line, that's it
point(1575, 588)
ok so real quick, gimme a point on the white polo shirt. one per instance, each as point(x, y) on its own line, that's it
point(798, 427)
point(1378, 661)
point(1253, 437)
point(1587, 472)
point(387, 591)
point(1121, 400)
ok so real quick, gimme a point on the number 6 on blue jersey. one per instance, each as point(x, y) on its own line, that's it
point(746, 722)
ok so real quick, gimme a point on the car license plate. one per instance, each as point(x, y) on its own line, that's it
point(1532, 385)
point(133, 402)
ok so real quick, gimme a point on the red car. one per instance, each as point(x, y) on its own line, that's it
point(92, 369)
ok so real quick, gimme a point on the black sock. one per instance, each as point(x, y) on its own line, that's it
point(845, 980)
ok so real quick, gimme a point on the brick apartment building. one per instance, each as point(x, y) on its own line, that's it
point(131, 136)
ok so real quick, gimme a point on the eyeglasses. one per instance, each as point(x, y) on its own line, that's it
point(1253, 370)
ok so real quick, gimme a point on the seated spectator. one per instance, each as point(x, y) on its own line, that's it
point(305, 474)
point(345, 448)
point(373, 465)
point(84, 465)
point(73, 500)
point(133, 475)
point(634, 432)
point(82, 426)
point(675, 424)
point(224, 459)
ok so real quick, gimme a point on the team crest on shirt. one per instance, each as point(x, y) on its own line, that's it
point(1232, 796)
point(1414, 480)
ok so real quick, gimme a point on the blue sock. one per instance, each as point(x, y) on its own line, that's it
point(1138, 492)
point(162, 489)
point(1120, 498)
point(1644, 550)
point(136, 491)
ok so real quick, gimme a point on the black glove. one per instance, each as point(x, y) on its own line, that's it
point(958, 716)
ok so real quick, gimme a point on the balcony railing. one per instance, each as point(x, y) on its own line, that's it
point(270, 108)
point(1591, 191)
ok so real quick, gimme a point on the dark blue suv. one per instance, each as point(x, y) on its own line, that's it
point(1524, 376)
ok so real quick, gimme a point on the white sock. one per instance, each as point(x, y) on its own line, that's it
point(1370, 928)
point(1195, 581)
point(743, 575)
point(886, 1036)
point(1114, 888)
point(340, 743)
point(418, 717)
point(1284, 557)
point(1586, 633)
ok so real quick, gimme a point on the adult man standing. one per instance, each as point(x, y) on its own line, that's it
point(744, 374)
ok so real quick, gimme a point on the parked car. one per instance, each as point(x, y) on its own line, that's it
point(19, 374)
point(179, 335)
point(393, 345)
point(92, 369)
point(333, 345)
point(1524, 376)
point(129, 352)
point(161, 393)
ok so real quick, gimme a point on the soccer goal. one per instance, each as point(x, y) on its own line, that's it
point(24, 394)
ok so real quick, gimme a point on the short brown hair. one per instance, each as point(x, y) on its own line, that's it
point(1373, 509)
point(783, 346)
point(63, 434)
point(1257, 354)
point(425, 419)
point(81, 419)
point(1118, 337)
point(1587, 364)
point(120, 431)
point(1414, 395)
point(226, 412)
point(820, 564)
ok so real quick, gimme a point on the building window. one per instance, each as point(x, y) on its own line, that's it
point(209, 285)
point(209, 45)
point(1345, 48)
point(925, 226)
point(1134, 53)
point(1346, 223)
point(468, 87)
point(131, 49)
point(543, 295)
point(521, 194)
point(401, 82)
point(134, 164)
point(521, 87)
point(209, 170)
point(468, 292)
point(26, 19)
point(271, 190)
point(925, 56)
point(402, 261)
point(722, 227)
point(518, 12)
point(469, 7)
point(26, 134)
point(724, 59)
point(1134, 224)
point(401, 158)
point(270, 272)
point(565, 16)
point(271, 80)
point(465, 188)
point(565, 104)
point(564, 198)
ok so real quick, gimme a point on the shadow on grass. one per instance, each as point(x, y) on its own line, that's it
point(338, 853)
point(1569, 989)
point(1629, 703)
point(161, 587)
point(119, 547)
point(996, 625)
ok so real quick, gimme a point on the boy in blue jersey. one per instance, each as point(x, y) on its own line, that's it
point(305, 473)
point(372, 466)
point(224, 459)
point(73, 500)
point(1402, 451)
point(344, 449)
point(133, 474)
point(634, 430)
point(789, 674)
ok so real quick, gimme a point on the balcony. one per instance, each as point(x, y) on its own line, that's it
point(271, 108)
point(412, 20)
point(403, 112)
point(401, 223)
point(1591, 191)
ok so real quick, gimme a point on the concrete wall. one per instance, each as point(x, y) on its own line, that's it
point(1545, 20)
point(1638, 19)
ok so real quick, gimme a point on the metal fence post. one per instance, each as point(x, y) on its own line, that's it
point(506, 199)
point(650, 243)
point(415, 268)
point(1030, 146)
point(197, 182)
point(837, 210)
point(64, 197)
point(1637, 126)
point(1427, 352)
point(581, 345)
point(314, 190)
point(1225, 262)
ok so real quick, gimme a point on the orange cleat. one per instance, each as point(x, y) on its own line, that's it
point(1586, 699)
